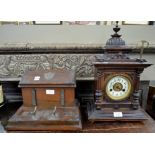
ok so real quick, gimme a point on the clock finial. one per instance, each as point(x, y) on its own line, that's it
point(116, 29)
point(116, 38)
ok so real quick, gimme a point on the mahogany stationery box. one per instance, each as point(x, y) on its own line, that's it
point(48, 102)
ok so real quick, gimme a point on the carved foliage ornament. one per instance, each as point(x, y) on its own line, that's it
point(13, 66)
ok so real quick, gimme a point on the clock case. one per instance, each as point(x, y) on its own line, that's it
point(116, 62)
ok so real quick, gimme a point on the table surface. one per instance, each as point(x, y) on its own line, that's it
point(147, 126)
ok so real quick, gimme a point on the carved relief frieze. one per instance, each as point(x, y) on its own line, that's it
point(14, 66)
point(4, 63)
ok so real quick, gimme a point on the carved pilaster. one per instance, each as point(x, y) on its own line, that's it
point(135, 104)
point(136, 94)
point(98, 96)
point(137, 78)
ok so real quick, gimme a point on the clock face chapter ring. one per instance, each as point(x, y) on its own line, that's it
point(118, 87)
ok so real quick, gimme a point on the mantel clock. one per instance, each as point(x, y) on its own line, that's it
point(117, 79)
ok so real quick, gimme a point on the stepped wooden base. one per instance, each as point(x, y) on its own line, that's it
point(107, 114)
point(64, 119)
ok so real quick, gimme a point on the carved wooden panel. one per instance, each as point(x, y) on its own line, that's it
point(13, 66)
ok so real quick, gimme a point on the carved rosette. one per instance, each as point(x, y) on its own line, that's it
point(14, 66)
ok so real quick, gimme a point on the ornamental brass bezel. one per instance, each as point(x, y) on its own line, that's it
point(124, 97)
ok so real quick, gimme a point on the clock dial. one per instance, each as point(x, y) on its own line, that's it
point(118, 88)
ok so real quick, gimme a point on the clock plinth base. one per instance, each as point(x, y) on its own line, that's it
point(64, 119)
point(107, 114)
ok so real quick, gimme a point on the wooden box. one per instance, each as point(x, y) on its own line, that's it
point(48, 88)
point(48, 102)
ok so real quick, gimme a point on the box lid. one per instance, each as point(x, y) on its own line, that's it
point(48, 78)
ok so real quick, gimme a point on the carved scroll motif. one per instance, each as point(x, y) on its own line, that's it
point(14, 66)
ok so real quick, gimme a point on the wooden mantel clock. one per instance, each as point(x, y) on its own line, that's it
point(117, 83)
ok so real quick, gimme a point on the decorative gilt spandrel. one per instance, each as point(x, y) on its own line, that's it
point(14, 66)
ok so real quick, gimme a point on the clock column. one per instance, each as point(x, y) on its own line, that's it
point(98, 91)
point(136, 95)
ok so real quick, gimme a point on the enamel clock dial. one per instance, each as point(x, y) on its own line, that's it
point(118, 88)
